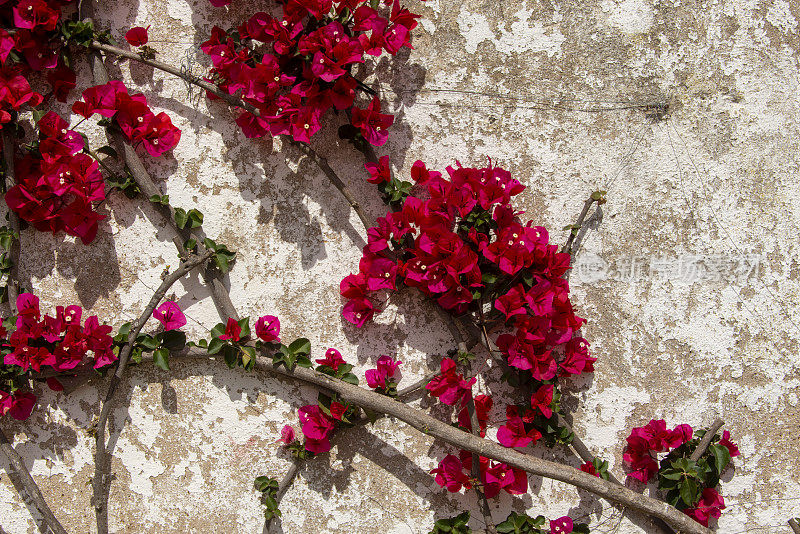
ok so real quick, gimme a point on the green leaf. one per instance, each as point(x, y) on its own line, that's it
point(161, 358)
point(248, 357)
point(136, 355)
point(722, 456)
point(350, 378)
point(148, 342)
point(173, 339)
point(300, 346)
point(231, 354)
point(689, 492)
point(303, 361)
point(218, 330)
point(160, 199)
point(209, 244)
point(190, 244)
point(215, 345)
point(181, 218)
point(195, 218)
point(244, 324)
point(262, 483)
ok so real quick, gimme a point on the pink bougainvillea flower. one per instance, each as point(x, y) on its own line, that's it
point(448, 385)
point(287, 434)
point(711, 505)
point(372, 123)
point(170, 315)
point(513, 433)
point(380, 172)
point(588, 467)
point(358, 311)
point(332, 359)
point(726, 442)
point(268, 328)
point(232, 330)
point(450, 474)
point(562, 525)
point(315, 427)
point(542, 399)
point(386, 368)
point(137, 36)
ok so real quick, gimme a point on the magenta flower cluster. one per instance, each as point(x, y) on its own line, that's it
point(59, 342)
point(305, 67)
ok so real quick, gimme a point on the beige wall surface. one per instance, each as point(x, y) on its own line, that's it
point(689, 279)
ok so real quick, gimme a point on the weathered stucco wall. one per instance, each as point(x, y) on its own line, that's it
point(689, 279)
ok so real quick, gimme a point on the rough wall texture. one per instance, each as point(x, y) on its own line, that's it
point(688, 279)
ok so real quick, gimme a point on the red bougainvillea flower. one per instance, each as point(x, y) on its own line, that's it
point(588, 467)
point(542, 399)
point(562, 525)
point(372, 123)
point(332, 359)
point(513, 433)
point(450, 474)
point(652, 438)
point(232, 330)
point(170, 315)
point(35, 15)
point(315, 427)
point(711, 505)
point(268, 328)
point(137, 36)
point(497, 476)
point(18, 405)
point(483, 403)
point(287, 434)
point(726, 442)
point(386, 369)
point(449, 385)
point(379, 173)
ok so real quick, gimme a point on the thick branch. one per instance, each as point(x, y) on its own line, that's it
point(702, 447)
point(13, 219)
point(464, 440)
point(102, 457)
point(795, 526)
point(19, 471)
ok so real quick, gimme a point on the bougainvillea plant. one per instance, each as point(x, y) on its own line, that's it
point(458, 240)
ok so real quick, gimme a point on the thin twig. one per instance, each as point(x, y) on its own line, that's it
point(210, 87)
point(23, 477)
point(13, 219)
point(337, 182)
point(101, 481)
point(706, 441)
point(795, 526)
point(574, 231)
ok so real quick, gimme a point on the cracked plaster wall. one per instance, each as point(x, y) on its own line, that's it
point(520, 82)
